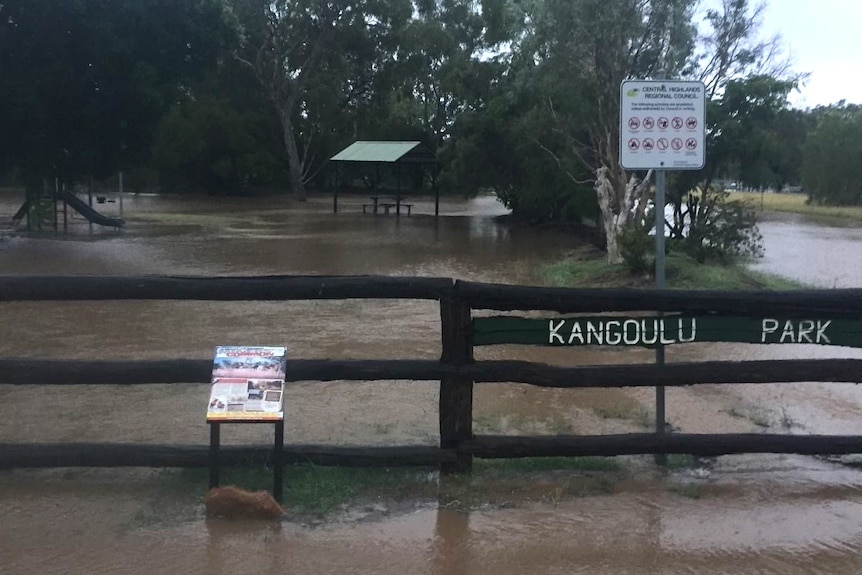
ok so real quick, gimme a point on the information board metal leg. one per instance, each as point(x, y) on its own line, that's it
point(277, 463)
point(215, 438)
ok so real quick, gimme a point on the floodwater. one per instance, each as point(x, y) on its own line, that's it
point(821, 256)
point(740, 514)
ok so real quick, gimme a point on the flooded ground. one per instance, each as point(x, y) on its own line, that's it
point(742, 514)
point(818, 255)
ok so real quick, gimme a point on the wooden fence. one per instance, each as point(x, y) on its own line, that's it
point(807, 313)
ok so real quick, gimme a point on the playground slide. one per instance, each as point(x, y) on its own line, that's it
point(22, 211)
point(88, 212)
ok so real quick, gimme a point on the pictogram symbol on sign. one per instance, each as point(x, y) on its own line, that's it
point(663, 123)
point(648, 144)
point(662, 143)
point(676, 143)
point(634, 123)
point(691, 123)
point(676, 123)
point(649, 123)
point(634, 144)
point(691, 144)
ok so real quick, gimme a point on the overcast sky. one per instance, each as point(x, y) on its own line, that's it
point(824, 38)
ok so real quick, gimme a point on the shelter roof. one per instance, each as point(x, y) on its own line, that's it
point(386, 152)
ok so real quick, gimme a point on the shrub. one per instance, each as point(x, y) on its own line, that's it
point(637, 248)
point(719, 229)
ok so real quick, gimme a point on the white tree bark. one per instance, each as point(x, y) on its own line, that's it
point(620, 207)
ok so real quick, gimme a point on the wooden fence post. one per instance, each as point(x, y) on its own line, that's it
point(456, 392)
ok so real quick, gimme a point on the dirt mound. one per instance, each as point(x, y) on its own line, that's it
point(235, 503)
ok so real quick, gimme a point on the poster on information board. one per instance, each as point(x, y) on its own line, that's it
point(247, 384)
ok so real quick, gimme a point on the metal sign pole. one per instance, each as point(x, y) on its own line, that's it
point(661, 458)
point(662, 127)
point(660, 284)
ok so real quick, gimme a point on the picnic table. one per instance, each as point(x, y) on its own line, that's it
point(386, 203)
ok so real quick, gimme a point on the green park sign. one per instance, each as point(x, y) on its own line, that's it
point(665, 330)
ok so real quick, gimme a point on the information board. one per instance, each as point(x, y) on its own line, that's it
point(662, 125)
point(247, 384)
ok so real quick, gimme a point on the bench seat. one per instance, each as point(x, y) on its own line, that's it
point(387, 206)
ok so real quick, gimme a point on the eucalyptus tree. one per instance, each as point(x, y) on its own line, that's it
point(583, 49)
point(598, 44)
point(832, 170)
point(85, 81)
point(443, 63)
point(752, 135)
point(731, 47)
point(315, 59)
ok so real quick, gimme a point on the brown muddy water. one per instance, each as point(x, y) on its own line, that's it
point(740, 514)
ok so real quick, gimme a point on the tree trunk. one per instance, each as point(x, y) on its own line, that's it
point(605, 194)
point(618, 202)
point(297, 186)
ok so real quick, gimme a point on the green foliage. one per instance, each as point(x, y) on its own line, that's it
point(688, 490)
point(509, 142)
point(754, 131)
point(683, 272)
point(205, 144)
point(832, 171)
point(86, 81)
point(314, 490)
point(515, 96)
point(752, 137)
point(541, 464)
point(637, 247)
point(681, 461)
point(592, 270)
point(317, 63)
point(573, 58)
point(719, 229)
point(438, 66)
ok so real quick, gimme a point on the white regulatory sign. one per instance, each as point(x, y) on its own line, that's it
point(662, 125)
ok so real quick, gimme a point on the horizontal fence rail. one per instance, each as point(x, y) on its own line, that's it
point(704, 445)
point(456, 370)
point(48, 455)
point(42, 455)
point(270, 288)
point(198, 371)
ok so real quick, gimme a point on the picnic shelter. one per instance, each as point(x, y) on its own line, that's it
point(393, 154)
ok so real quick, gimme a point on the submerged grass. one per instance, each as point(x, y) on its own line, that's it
point(798, 204)
point(318, 492)
point(539, 464)
point(678, 461)
point(590, 269)
point(688, 490)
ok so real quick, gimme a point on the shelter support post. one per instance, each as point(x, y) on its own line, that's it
point(434, 172)
point(335, 191)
